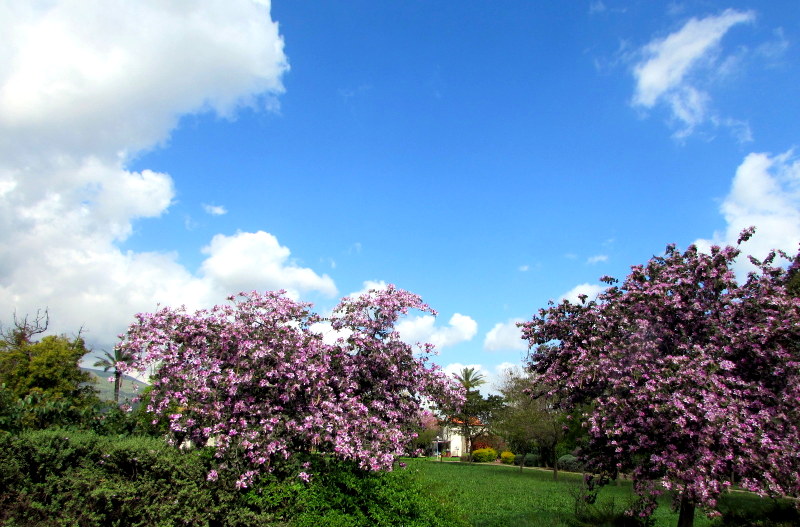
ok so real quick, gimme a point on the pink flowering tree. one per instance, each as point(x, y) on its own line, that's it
point(254, 376)
point(691, 379)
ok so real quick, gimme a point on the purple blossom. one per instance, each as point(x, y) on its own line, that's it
point(691, 376)
point(257, 380)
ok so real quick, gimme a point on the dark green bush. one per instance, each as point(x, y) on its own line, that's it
point(57, 477)
point(530, 460)
point(80, 478)
point(341, 494)
point(570, 463)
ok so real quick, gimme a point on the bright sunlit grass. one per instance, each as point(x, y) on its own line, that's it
point(498, 495)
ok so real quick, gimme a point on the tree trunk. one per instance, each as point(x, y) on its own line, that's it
point(555, 465)
point(522, 462)
point(686, 517)
point(117, 382)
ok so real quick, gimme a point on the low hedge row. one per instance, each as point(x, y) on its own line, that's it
point(55, 477)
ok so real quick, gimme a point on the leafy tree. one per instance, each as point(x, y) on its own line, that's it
point(528, 422)
point(114, 362)
point(427, 430)
point(255, 376)
point(42, 381)
point(691, 377)
point(474, 417)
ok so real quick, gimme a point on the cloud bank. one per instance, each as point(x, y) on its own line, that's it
point(84, 88)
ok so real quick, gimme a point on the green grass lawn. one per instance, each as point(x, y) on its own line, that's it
point(502, 496)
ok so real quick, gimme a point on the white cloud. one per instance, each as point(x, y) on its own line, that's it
point(215, 210)
point(524, 268)
point(597, 258)
point(86, 77)
point(765, 193)
point(255, 260)
point(460, 328)
point(663, 75)
point(83, 89)
point(505, 336)
point(590, 290)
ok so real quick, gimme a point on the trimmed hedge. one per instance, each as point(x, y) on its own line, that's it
point(507, 458)
point(484, 455)
point(56, 477)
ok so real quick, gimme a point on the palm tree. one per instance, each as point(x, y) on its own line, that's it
point(470, 379)
point(111, 362)
point(467, 419)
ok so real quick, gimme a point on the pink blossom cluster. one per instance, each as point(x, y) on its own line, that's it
point(254, 376)
point(683, 376)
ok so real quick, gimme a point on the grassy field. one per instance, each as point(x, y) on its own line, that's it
point(501, 496)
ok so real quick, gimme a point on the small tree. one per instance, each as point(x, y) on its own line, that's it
point(258, 379)
point(526, 420)
point(473, 416)
point(690, 376)
point(42, 379)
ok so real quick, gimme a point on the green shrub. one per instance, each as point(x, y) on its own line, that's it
point(529, 460)
point(341, 494)
point(570, 463)
point(507, 458)
point(58, 477)
point(484, 455)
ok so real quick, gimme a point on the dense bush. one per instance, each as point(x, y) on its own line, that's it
point(529, 460)
point(507, 458)
point(570, 463)
point(58, 477)
point(484, 455)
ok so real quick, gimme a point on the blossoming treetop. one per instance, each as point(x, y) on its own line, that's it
point(692, 378)
point(255, 376)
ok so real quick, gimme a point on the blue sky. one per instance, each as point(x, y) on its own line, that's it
point(488, 156)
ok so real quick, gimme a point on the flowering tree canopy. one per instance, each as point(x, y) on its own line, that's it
point(691, 377)
point(255, 376)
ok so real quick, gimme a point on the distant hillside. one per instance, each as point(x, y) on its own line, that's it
point(128, 390)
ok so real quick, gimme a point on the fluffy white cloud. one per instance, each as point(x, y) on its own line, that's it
point(255, 260)
point(590, 290)
point(597, 258)
point(765, 193)
point(87, 76)
point(84, 86)
point(460, 328)
point(663, 74)
point(505, 336)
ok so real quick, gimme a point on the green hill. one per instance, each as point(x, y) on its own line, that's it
point(129, 389)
